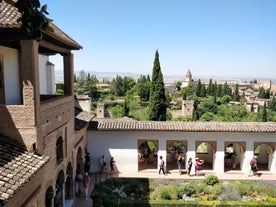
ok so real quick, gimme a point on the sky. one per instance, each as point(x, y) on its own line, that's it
point(235, 38)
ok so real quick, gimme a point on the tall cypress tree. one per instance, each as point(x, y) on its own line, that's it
point(198, 88)
point(264, 114)
point(157, 103)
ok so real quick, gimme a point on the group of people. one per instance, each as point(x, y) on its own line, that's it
point(103, 164)
point(180, 161)
point(83, 179)
point(198, 163)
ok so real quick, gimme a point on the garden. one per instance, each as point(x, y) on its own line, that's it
point(142, 192)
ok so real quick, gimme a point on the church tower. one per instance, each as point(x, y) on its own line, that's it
point(187, 80)
point(188, 76)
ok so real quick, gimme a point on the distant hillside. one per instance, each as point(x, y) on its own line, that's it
point(167, 78)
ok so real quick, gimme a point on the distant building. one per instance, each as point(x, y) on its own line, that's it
point(266, 84)
point(102, 86)
point(187, 108)
point(188, 80)
point(171, 88)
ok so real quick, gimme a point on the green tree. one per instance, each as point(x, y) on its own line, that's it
point(33, 18)
point(86, 85)
point(143, 88)
point(178, 85)
point(188, 90)
point(128, 83)
point(198, 88)
point(264, 113)
point(207, 105)
point(261, 93)
point(236, 95)
point(272, 105)
point(219, 90)
point(125, 109)
point(211, 88)
point(157, 102)
point(203, 91)
point(117, 86)
point(207, 116)
point(226, 90)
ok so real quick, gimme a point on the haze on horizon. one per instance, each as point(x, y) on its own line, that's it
point(230, 38)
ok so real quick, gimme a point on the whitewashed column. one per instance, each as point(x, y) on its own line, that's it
point(162, 151)
point(248, 155)
point(191, 153)
point(219, 158)
point(273, 163)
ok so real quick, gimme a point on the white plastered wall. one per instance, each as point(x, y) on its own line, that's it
point(46, 76)
point(11, 75)
point(123, 146)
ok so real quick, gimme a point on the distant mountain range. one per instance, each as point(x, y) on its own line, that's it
point(167, 78)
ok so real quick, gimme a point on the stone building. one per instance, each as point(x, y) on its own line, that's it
point(43, 137)
point(187, 108)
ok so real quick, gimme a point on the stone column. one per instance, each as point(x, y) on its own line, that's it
point(68, 72)
point(219, 157)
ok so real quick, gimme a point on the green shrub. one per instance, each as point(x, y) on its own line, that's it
point(211, 180)
point(164, 194)
point(246, 188)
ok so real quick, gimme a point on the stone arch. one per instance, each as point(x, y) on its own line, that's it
point(59, 191)
point(175, 148)
point(79, 159)
point(233, 155)
point(264, 151)
point(69, 184)
point(207, 152)
point(147, 154)
point(49, 197)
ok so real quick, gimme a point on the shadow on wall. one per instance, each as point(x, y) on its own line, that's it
point(8, 128)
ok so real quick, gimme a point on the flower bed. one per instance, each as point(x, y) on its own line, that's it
point(168, 192)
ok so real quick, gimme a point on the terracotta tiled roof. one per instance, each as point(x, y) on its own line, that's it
point(8, 20)
point(109, 125)
point(82, 118)
point(9, 16)
point(17, 167)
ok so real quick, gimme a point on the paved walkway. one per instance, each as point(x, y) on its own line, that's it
point(231, 175)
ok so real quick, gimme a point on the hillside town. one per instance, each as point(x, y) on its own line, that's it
point(50, 143)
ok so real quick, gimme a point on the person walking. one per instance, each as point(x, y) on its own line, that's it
point(253, 166)
point(161, 165)
point(78, 181)
point(86, 184)
point(87, 163)
point(102, 164)
point(112, 165)
point(189, 167)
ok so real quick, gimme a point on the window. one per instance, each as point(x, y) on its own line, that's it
point(59, 148)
